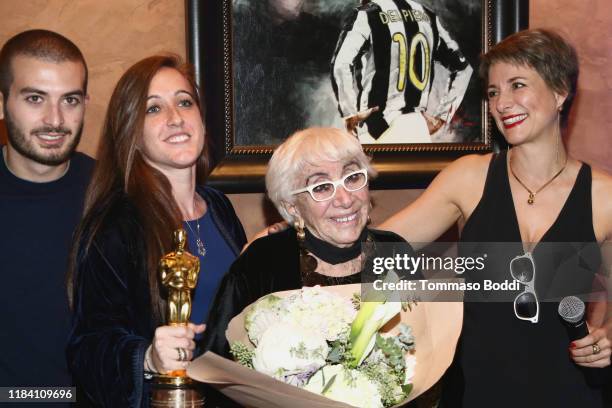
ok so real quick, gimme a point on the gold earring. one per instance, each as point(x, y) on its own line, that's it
point(298, 224)
point(308, 264)
point(558, 139)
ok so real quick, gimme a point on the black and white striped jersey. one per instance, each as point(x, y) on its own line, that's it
point(385, 57)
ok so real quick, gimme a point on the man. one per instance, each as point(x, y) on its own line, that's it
point(43, 83)
point(383, 73)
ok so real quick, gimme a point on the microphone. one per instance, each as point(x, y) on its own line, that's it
point(571, 311)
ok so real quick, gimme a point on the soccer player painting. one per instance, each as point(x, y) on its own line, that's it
point(383, 72)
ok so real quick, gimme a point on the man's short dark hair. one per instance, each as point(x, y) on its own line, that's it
point(40, 44)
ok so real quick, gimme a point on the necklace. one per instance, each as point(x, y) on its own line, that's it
point(324, 250)
point(532, 194)
point(330, 253)
point(199, 243)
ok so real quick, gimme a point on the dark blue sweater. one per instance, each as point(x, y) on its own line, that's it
point(36, 225)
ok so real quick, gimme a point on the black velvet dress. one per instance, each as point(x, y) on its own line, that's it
point(502, 361)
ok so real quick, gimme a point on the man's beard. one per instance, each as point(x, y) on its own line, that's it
point(55, 157)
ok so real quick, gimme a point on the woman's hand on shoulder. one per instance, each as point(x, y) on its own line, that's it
point(168, 341)
point(454, 193)
point(271, 229)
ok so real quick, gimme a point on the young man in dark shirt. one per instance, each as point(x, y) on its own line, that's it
point(43, 89)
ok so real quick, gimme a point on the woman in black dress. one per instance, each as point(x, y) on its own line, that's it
point(514, 354)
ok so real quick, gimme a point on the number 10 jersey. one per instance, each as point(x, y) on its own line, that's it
point(386, 56)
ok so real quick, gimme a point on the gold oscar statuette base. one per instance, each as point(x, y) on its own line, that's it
point(175, 392)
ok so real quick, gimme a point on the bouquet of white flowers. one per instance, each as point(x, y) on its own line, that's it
point(297, 344)
point(330, 345)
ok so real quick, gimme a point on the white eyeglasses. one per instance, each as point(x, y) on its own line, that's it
point(526, 305)
point(326, 190)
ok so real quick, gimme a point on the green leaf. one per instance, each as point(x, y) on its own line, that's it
point(242, 354)
point(407, 389)
point(329, 384)
point(335, 355)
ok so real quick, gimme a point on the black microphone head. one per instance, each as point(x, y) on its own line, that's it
point(571, 309)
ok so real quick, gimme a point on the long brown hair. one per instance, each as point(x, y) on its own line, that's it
point(121, 169)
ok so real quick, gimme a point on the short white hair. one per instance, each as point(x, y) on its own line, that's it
point(309, 147)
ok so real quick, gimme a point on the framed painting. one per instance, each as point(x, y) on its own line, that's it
point(400, 74)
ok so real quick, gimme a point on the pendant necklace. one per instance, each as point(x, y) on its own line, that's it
point(199, 243)
point(532, 194)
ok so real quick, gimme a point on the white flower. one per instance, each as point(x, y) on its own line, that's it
point(262, 314)
point(371, 317)
point(349, 386)
point(314, 309)
point(318, 310)
point(285, 349)
point(411, 362)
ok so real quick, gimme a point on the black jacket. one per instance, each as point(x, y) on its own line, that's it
point(112, 324)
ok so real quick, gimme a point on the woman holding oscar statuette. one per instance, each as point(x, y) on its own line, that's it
point(148, 183)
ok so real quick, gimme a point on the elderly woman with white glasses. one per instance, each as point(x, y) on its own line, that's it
point(318, 181)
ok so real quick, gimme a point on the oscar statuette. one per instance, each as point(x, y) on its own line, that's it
point(179, 274)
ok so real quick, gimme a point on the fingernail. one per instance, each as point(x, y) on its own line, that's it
point(572, 345)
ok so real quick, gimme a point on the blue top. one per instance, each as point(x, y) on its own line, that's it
point(213, 265)
point(37, 221)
